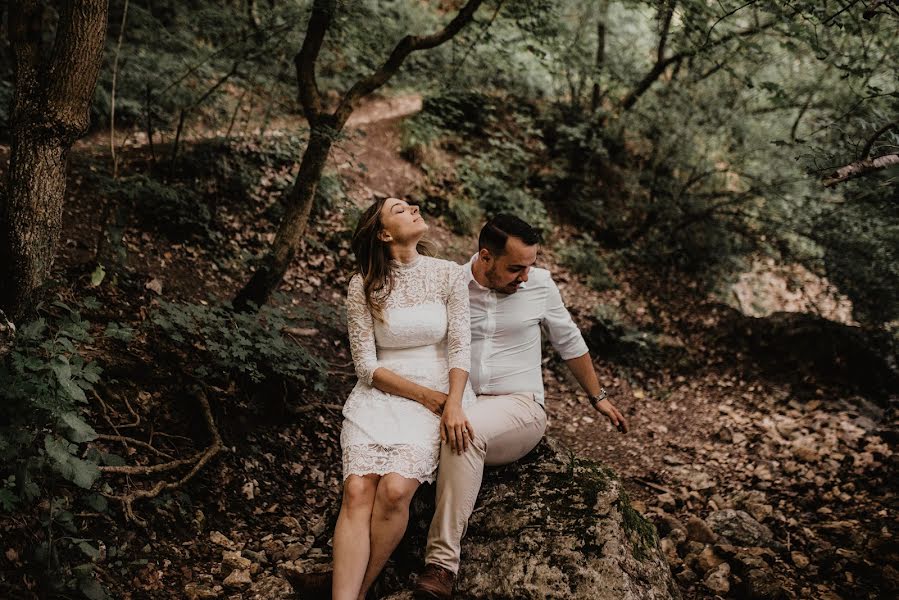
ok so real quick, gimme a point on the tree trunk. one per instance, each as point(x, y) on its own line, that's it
point(50, 111)
point(293, 224)
point(324, 128)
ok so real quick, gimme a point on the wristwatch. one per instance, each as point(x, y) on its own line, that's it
point(594, 400)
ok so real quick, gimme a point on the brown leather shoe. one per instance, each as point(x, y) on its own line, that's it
point(434, 582)
point(311, 586)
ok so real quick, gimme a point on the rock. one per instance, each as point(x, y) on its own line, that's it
point(232, 560)
point(546, 527)
point(669, 550)
point(678, 536)
point(686, 577)
point(270, 587)
point(198, 591)
point(219, 539)
point(667, 501)
point(761, 584)
point(666, 523)
point(718, 580)
point(691, 548)
point(707, 560)
point(739, 527)
point(295, 551)
point(698, 531)
point(238, 578)
point(799, 559)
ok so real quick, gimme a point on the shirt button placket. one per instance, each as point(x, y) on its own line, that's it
point(488, 344)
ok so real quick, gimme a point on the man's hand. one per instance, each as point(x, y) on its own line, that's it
point(613, 414)
point(455, 429)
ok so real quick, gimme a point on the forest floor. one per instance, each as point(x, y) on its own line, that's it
point(717, 421)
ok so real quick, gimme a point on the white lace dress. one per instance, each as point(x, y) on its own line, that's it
point(427, 332)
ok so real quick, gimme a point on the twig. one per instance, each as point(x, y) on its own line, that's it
point(653, 486)
point(299, 410)
point(115, 72)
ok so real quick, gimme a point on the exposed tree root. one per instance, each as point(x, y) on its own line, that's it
point(199, 460)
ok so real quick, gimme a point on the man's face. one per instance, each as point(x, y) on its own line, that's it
point(506, 272)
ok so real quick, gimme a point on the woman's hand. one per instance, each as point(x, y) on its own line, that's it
point(434, 401)
point(455, 428)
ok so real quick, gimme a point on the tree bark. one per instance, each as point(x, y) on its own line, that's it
point(50, 111)
point(324, 129)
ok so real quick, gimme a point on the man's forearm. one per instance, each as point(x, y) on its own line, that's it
point(582, 369)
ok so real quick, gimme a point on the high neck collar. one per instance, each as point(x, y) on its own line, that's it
point(405, 267)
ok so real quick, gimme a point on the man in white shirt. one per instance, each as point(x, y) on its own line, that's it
point(511, 300)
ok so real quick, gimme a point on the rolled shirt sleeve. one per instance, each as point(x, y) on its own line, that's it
point(559, 327)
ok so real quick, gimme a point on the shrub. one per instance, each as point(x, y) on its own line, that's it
point(582, 255)
point(249, 346)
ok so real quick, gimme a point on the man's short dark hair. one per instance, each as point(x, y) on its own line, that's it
point(500, 228)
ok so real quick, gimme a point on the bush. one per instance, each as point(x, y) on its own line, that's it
point(253, 347)
point(45, 378)
point(582, 255)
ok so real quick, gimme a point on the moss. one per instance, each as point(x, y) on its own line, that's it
point(639, 530)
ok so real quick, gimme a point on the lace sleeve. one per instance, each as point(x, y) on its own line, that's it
point(458, 335)
point(360, 327)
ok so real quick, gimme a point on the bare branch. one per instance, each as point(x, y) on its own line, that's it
point(860, 168)
point(867, 149)
point(403, 49)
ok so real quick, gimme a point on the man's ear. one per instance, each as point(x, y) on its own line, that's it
point(484, 254)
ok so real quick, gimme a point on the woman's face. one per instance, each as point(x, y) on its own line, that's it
point(401, 222)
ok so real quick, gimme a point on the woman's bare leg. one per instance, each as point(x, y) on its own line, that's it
point(388, 523)
point(351, 548)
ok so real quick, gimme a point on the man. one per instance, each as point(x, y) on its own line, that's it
point(511, 300)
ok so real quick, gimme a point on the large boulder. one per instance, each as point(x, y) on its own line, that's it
point(551, 526)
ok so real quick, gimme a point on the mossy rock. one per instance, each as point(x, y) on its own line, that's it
point(550, 526)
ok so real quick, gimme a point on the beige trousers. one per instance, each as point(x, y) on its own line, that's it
point(506, 428)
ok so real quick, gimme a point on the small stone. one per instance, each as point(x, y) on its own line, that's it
point(270, 588)
point(666, 523)
point(717, 579)
point(799, 559)
point(762, 585)
point(197, 591)
point(669, 549)
point(232, 560)
point(238, 578)
point(219, 539)
point(707, 560)
point(686, 577)
point(667, 501)
point(699, 531)
point(295, 551)
point(739, 527)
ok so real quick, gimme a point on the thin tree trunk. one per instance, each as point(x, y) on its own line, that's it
point(50, 111)
point(596, 95)
point(293, 225)
point(324, 129)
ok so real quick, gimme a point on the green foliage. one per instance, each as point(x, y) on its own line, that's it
point(249, 346)
point(45, 377)
point(583, 256)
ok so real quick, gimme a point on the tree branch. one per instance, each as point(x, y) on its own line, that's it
point(861, 167)
point(403, 49)
point(867, 149)
point(319, 21)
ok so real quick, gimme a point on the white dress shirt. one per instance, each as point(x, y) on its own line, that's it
point(506, 349)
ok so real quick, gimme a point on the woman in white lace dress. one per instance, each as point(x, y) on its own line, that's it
point(410, 337)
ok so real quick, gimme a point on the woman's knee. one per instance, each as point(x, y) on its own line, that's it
point(359, 492)
point(395, 492)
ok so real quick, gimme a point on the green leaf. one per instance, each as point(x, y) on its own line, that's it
point(96, 502)
point(89, 550)
point(78, 430)
point(97, 276)
point(80, 472)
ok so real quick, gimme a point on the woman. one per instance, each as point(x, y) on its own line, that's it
point(410, 337)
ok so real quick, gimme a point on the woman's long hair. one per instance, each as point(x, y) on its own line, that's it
point(373, 258)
